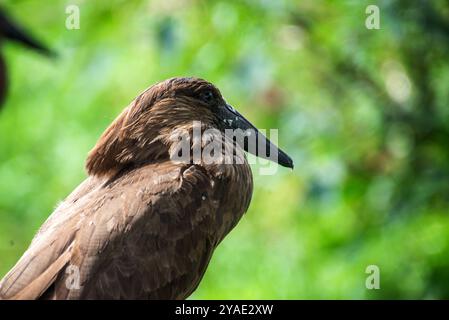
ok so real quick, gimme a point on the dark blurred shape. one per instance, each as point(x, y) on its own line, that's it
point(166, 35)
point(10, 30)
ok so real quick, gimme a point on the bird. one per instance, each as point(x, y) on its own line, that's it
point(10, 30)
point(147, 219)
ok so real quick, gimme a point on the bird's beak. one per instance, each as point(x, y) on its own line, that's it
point(250, 139)
point(9, 29)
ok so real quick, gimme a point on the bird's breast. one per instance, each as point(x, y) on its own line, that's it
point(232, 186)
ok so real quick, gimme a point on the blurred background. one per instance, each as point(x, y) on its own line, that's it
point(363, 113)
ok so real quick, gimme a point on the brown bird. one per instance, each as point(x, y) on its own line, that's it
point(10, 30)
point(143, 225)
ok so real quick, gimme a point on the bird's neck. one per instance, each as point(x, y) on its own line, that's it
point(203, 145)
point(190, 143)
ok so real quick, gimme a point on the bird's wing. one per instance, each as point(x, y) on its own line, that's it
point(150, 233)
point(158, 242)
point(49, 251)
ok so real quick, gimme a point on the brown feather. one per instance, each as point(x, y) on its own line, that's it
point(140, 226)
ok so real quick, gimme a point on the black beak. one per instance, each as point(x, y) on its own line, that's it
point(250, 139)
point(9, 29)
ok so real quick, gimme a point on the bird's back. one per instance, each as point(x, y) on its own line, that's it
point(149, 233)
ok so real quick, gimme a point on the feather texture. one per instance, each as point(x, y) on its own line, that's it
point(140, 226)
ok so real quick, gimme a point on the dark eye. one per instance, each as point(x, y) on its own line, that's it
point(207, 96)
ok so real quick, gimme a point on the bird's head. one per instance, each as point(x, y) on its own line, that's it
point(143, 132)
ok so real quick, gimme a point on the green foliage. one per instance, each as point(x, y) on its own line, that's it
point(363, 113)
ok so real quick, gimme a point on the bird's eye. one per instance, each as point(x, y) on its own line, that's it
point(207, 96)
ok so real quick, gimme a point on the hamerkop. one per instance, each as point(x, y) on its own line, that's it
point(146, 221)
